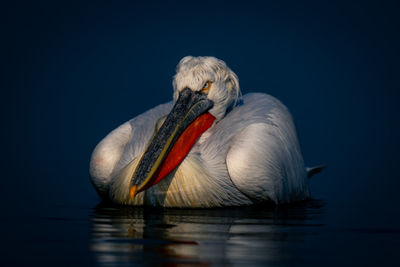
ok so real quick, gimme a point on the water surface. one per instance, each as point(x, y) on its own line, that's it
point(256, 235)
point(299, 234)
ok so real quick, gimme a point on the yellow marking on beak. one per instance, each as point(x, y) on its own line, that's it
point(132, 191)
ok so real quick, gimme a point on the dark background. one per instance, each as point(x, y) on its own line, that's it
point(73, 71)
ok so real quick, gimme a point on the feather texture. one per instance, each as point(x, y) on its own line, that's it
point(250, 154)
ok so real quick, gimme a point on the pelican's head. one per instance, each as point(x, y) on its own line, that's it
point(204, 88)
point(211, 76)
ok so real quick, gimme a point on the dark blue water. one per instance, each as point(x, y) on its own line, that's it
point(301, 234)
point(73, 71)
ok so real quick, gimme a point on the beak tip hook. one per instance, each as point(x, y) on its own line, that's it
point(132, 192)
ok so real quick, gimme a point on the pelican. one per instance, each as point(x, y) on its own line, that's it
point(209, 147)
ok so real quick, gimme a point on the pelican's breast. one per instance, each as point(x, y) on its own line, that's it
point(194, 183)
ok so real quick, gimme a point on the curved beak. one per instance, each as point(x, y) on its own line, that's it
point(172, 142)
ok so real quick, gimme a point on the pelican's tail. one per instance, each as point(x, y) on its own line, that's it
point(314, 170)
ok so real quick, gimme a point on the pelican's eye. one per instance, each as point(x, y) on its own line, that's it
point(206, 87)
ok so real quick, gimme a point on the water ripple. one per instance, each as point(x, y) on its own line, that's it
point(247, 235)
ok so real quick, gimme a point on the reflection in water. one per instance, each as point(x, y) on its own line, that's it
point(247, 235)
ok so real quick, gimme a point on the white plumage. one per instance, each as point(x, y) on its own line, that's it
point(250, 154)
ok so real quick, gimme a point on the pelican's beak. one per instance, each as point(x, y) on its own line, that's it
point(168, 147)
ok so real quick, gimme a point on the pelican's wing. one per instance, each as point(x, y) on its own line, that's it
point(264, 160)
point(122, 145)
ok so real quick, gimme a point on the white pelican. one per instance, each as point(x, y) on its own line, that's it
point(209, 147)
